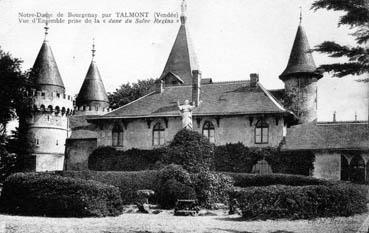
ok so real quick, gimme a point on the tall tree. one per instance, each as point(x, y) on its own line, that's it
point(356, 16)
point(14, 103)
point(130, 92)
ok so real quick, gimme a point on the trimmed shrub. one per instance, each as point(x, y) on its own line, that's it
point(52, 195)
point(248, 180)
point(174, 183)
point(191, 150)
point(235, 157)
point(211, 187)
point(300, 202)
point(127, 182)
point(107, 158)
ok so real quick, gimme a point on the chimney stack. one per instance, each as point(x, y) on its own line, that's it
point(196, 87)
point(160, 86)
point(334, 116)
point(254, 78)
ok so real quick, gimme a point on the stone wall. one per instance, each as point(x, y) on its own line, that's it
point(77, 153)
point(138, 133)
point(303, 94)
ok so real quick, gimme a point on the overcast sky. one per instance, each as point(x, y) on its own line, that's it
point(232, 38)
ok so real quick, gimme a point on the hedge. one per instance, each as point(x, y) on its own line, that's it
point(300, 202)
point(169, 183)
point(127, 182)
point(248, 180)
point(227, 158)
point(47, 194)
point(107, 158)
point(191, 150)
point(235, 157)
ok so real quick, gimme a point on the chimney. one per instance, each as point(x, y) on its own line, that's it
point(196, 87)
point(334, 116)
point(254, 78)
point(160, 86)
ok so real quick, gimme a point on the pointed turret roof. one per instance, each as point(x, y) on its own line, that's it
point(301, 60)
point(45, 70)
point(92, 91)
point(182, 59)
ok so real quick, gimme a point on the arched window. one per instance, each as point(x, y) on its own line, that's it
point(208, 131)
point(158, 135)
point(261, 132)
point(117, 135)
point(357, 169)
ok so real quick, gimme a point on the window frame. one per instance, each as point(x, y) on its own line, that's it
point(158, 135)
point(117, 135)
point(208, 126)
point(261, 125)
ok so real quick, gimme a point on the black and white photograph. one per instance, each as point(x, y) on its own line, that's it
point(188, 116)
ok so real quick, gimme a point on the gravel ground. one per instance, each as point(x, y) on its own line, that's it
point(165, 222)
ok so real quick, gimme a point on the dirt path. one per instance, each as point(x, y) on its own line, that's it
point(166, 222)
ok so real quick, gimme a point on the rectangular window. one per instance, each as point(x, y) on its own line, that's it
point(211, 136)
point(120, 139)
point(161, 141)
point(265, 133)
point(258, 135)
point(156, 138)
point(115, 139)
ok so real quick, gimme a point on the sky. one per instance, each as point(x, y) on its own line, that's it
point(232, 38)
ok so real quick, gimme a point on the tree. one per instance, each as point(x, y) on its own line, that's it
point(130, 92)
point(13, 84)
point(14, 103)
point(191, 150)
point(356, 16)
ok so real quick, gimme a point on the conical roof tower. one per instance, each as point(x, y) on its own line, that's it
point(301, 60)
point(45, 72)
point(182, 59)
point(92, 92)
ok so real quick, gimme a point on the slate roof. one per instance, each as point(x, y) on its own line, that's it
point(45, 71)
point(81, 128)
point(182, 59)
point(328, 136)
point(301, 59)
point(92, 89)
point(226, 98)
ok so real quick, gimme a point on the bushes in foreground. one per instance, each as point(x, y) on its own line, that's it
point(169, 183)
point(248, 180)
point(174, 183)
point(127, 182)
point(52, 195)
point(300, 202)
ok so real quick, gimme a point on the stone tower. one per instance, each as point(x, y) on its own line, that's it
point(300, 79)
point(92, 98)
point(48, 125)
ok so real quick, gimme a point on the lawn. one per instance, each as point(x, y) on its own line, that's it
point(165, 222)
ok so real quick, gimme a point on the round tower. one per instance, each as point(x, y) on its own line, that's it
point(300, 79)
point(48, 124)
point(92, 98)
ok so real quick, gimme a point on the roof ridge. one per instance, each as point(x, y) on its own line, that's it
point(270, 96)
point(342, 122)
point(131, 102)
point(234, 81)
